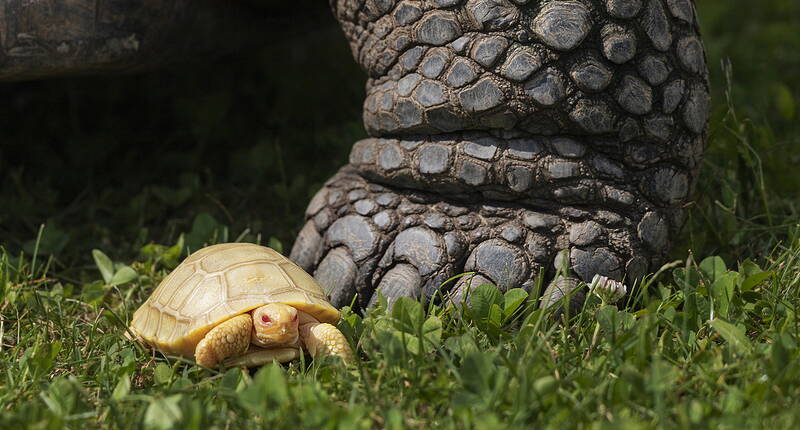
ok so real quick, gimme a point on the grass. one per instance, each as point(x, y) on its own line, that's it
point(142, 167)
point(699, 346)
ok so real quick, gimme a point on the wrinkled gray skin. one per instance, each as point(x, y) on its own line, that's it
point(504, 131)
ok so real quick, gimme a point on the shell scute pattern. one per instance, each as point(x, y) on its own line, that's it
point(167, 326)
point(248, 279)
point(181, 296)
point(217, 314)
point(179, 276)
point(305, 283)
point(232, 256)
point(206, 293)
point(217, 283)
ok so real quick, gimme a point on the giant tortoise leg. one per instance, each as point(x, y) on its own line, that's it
point(504, 132)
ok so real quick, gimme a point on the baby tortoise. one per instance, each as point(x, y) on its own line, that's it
point(225, 297)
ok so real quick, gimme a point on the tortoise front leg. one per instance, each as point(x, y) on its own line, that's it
point(325, 339)
point(229, 339)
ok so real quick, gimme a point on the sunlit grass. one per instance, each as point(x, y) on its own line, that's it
point(709, 342)
point(705, 347)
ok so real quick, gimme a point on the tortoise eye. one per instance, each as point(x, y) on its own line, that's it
point(265, 319)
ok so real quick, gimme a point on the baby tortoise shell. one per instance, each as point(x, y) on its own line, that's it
point(217, 283)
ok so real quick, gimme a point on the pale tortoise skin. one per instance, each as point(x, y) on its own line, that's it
point(208, 309)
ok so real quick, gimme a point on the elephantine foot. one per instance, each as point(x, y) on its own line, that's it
point(505, 131)
point(362, 237)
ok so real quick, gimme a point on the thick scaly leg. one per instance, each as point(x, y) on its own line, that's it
point(504, 131)
point(325, 339)
point(256, 356)
point(229, 339)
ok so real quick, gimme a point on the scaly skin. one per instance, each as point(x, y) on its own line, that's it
point(229, 339)
point(503, 132)
point(279, 338)
point(325, 339)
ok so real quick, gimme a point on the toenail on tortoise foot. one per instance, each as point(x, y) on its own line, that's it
point(505, 264)
point(308, 247)
point(560, 288)
point(402, 280)
point(464, 287)
point(337, 274)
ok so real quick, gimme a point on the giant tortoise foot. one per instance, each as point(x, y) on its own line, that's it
point(505, 131)
point(362, 237)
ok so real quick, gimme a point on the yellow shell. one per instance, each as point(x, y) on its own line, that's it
point(217, 283)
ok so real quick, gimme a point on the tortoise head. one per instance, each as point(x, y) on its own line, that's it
point(275, 325)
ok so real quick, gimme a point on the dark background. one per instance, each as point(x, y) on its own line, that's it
point(234, 147)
